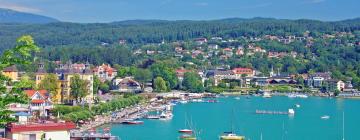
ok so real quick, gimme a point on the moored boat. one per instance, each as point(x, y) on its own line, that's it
point(267, 95)
point(189, 131)
point(166, 115)
point(325, 117)
point(212, 101)
point(132, 122)
point(231, 136)
point(291, 111)
point(187, 137)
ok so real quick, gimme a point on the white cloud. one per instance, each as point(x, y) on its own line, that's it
point(20, 8)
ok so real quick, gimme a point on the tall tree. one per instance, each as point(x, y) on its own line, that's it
point(143, 76)
point(166, 72)
point(21, 54)
point(160, 85)
point(50, 83)
point(96, 85)
point(192, 82)
point(78, 88)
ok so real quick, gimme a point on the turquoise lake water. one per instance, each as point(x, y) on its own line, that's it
point(211, 119)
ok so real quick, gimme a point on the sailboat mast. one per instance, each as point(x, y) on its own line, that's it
point(343, 125)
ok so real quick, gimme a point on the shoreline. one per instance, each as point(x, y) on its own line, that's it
point(138, 111)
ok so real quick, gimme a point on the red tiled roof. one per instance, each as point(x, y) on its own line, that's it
point(31, 93)
point(10, 69)
point(227, 49)
point(14, 128)
point(242, 70)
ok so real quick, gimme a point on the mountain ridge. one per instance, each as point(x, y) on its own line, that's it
point(11, 16)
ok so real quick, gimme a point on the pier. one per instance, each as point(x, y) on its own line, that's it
point(272, 112)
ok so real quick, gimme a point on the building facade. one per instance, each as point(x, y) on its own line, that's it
point(39, 131)
point(105, 72)
point(65, 72)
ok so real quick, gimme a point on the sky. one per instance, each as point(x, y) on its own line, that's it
point(91, 11)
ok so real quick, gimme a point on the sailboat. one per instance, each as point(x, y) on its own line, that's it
point(187, 133)
point(231, 135)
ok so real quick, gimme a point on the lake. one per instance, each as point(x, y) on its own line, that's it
point(211, 119)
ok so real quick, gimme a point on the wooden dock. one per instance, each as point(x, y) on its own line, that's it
point(271, 112)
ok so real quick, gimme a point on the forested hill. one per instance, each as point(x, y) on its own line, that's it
point(10, 16)
point(154, 31)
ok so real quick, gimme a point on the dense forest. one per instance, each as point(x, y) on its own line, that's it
point(98, 43)
point(154, 31)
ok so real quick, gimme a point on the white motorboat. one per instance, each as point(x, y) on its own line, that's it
point(292, 96)
point(325, 117)
point(237, 98)
point(166, 116)
point(267, 95)
point(291, 111)
point(302, 96)
point(297, 105)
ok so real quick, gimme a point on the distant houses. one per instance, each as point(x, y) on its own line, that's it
point(105, 72)
point(39, 103)
point(126, 85)
point(201, 41)
point(11, 72)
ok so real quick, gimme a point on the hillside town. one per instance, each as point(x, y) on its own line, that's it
point(84, 84)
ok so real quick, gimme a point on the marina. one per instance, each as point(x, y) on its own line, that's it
point(207, 119)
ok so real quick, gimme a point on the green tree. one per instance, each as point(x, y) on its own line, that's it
point(143, 76)
point(96, 84)
point(336, 92)
point(25, 83)
point(166, 72)
point(192, 82)
point(104, 87)
point(160, 85)
point(49, 83)
point(21, 54)
point(78, 88)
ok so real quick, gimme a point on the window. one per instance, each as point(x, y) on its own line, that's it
point(32, 136)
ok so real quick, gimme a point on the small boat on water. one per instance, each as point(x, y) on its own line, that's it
point(237, 98)
point(132, 122)
point(187, 137)
point(183, 101)
point(231, 136)
point(188, 131)
point(166, 115)
point(302, 96)
point(325, 117)
point(297, 105)
point(292, 96)
point(291, 111)
point(212, 101)
point(197, 100)
point(267, 95)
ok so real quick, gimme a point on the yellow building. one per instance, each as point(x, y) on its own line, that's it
point(40, 74)
point(11, 72)
point(65, 72)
